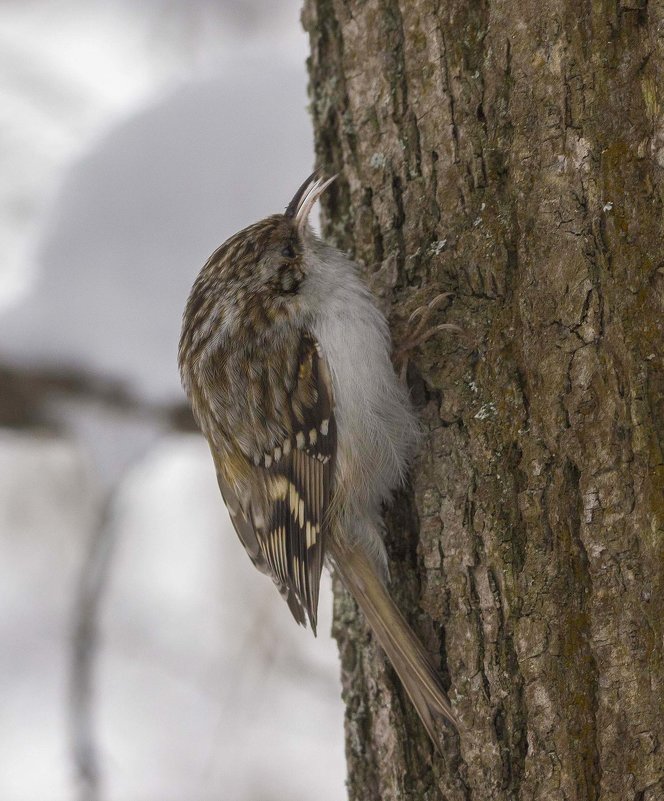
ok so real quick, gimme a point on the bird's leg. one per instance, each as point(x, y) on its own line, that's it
point(421, 332)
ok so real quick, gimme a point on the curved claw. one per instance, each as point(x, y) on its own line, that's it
point(424, 314)
point(419, 336)
point(449, 327)
point(431, 306)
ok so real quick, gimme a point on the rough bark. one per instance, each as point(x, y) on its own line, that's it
point(512, 153)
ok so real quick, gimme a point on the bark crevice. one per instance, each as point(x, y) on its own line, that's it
point(512, 154)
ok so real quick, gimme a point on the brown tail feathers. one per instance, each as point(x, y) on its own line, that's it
point(406, 653)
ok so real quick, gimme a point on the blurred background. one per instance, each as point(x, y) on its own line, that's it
point(142, 658)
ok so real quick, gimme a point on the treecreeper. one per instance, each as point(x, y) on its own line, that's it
point(286, 361)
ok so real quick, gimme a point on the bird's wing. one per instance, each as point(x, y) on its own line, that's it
point(280, 509)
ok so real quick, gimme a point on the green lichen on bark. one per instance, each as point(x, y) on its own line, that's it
point(512, 153)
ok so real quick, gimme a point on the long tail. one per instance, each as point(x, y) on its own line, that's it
point(406, 653)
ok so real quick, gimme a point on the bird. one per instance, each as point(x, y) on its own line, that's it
point(286, 360)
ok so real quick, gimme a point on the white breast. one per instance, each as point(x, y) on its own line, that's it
point(376, 426)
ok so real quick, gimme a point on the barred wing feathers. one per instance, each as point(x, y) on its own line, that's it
point(282, 522)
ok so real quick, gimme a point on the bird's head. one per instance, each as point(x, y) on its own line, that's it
point(254, 280)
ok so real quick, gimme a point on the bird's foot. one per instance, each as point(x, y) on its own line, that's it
point(421, 332)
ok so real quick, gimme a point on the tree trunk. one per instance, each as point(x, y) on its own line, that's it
point(512, 153)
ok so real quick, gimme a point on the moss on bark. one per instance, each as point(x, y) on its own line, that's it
point(513, 154)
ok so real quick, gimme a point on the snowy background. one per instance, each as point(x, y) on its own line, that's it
point(134, 138)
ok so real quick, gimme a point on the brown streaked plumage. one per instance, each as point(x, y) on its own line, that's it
point(286, 361)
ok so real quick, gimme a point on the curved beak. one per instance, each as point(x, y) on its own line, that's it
point(306, 196)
